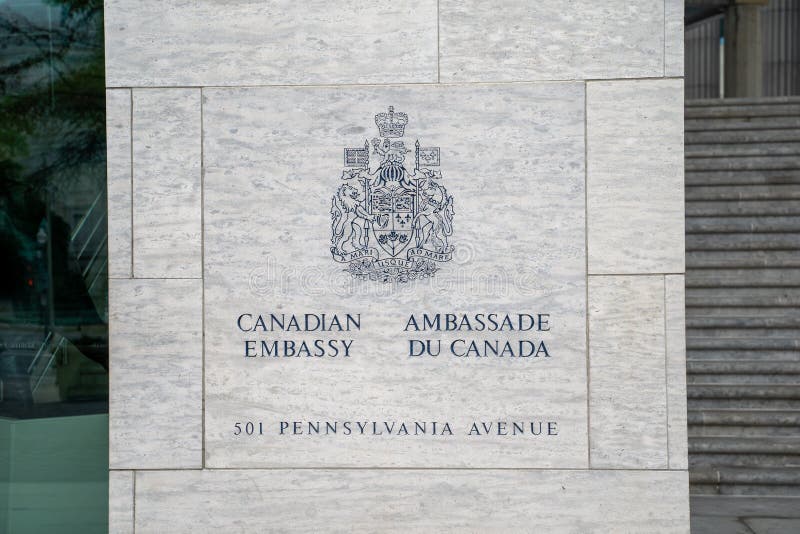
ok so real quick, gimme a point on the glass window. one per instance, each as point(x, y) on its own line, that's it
point(53, 272)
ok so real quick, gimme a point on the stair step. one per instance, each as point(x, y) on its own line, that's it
point(741, 312)
point(750, 491)
point(747, 367)
point(733, 111)
point(735, 208)
point(743, 224)
point(743, 192)
point(742, 343)
point(731, 150)
point(741, 123)
point(712, 162)
point(742, 475)
point(745, 101)
point(760, 461)
point(700, 355)
point(767, 135)
point(765, 241)
point(770, 445)
point(736, 333)
point(739, 378)
point(744, 417)
point(741, 391)
point(730, 178)
point(743, 431)
point(750, 278)
point(737, 259)
point(788, 320)
point(743, 296)
point(743, 404)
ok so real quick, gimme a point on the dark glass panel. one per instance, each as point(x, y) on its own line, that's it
point(53, 272)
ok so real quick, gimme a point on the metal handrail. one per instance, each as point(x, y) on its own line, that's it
point(94, 256)
point(97, 276)
point(86, 216)
point(98, 224)
point(50, 361)
point(39, 352)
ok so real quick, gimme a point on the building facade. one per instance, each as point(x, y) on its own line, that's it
point(552, 133)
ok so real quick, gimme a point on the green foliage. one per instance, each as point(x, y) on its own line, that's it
point(59, 77)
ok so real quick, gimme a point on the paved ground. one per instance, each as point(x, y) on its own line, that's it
point(721, 514)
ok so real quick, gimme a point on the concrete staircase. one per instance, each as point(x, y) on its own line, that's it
point(743, 295)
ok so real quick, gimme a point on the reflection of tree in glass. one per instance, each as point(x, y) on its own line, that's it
point(54, 91)
point(52, 166)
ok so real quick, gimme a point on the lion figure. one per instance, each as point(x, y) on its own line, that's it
point(350, 220)
point(434, 221)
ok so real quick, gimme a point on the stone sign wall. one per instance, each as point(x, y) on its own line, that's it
point(396, 267)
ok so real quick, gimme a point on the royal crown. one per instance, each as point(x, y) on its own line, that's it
point(391, 124)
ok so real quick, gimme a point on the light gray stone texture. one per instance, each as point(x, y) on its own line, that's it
point(120, 502)
point(512, 158)
point(118, 167)
point(673, 34)
point(627, 382)
point(675, 310)
point(166, 183)
point(635, 176)
point(502, 40)
point(246, 42)
point(411, 501)
point(155, 391)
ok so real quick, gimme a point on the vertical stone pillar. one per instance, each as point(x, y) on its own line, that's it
point(743, 49)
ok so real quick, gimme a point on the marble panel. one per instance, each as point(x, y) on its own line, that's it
point(166, 183)
point(120, 502)
point(673, 35)
point(676, 370)
point(512, 161)
point(635, 176)
point(269, 42)
point(501, 40)
point(388, 501)
point(627, 377)
point(120, 189)
point(156, 369)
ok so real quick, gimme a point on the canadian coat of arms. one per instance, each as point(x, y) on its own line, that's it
point(390, 223)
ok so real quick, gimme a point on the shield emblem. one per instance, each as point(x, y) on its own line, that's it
point(394, 214)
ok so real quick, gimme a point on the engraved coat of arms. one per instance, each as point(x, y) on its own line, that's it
point(390, 222)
